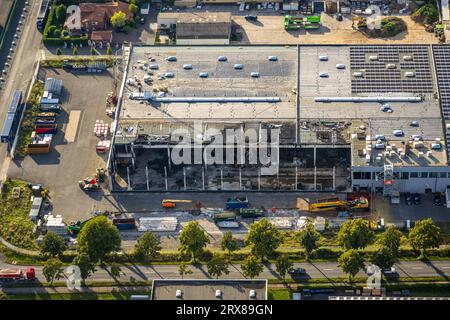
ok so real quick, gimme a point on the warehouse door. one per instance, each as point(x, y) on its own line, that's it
point(319, 6)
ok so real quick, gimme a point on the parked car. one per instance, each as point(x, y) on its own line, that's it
point(222, 58)
point(408, 199)
point(437, 200)
point(416, 198)
point(297, 271)
point(390, 270)
point(142, 20)
point(339, 17)
point(323, 75)
point(251, 17)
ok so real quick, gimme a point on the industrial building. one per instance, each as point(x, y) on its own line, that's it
point(189, 289)
point(194, 28)
point(350, 118)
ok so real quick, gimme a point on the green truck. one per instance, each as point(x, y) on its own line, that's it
point(251, 213)
point(296, 23)
point(224, 216)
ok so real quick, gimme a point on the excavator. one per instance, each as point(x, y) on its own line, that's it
point(361, 23)
point(335, 204)
point(171, 203)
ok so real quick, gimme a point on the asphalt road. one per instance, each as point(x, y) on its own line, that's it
point(26, 53)
point(322, 270)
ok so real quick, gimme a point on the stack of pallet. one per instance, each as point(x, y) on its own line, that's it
point(101, 129)
point(103, 146)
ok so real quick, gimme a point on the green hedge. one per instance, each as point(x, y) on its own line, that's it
point(69, 41)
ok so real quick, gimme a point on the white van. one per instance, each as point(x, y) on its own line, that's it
point(410, 74)
point(323, 58)
point(373, 58)
point(391, 66)
point(357, 74)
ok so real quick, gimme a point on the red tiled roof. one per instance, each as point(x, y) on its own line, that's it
point(97, 13)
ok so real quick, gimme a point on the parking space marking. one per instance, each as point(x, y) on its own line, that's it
point(72, 126)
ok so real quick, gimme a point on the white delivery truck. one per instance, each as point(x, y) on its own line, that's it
point(447, 197)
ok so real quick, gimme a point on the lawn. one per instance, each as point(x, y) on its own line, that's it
point(15, 225)
point(279, 294)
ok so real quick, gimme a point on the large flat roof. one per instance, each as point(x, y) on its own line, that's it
point(296, 72)
point(206, 289)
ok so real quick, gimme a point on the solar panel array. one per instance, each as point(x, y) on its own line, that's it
point(442, 64)
point(441, 55)
point(378, 78)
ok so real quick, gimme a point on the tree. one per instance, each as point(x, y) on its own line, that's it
point(183, 269)
point(93, 51)
point(147, 246)
point(217, 266)
point(58, 52)
point(351, 262)
point(308, 238)
point(52, 245)
point(283, 266)
point(384, 258)
point(390, 239)
point(252, 267)
point(109, 51)
point(133, 8)
point(87, 267)
point(355, 234)
point(98, 238)
point(229, 243)
point(53, 270)
point(60, 13)
point(115, 271)
point(264, 237)
point(192, 240)
point(75, 51)
point(118, 20)
point(425, 235)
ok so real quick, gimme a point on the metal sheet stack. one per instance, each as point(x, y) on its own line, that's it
point(158, 224)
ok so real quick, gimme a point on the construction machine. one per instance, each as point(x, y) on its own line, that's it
point(336, 204)
point(361, 23)
point(171, 203)
point(89, 184)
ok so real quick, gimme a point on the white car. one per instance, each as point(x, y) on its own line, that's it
point(398, 133)
point(390, 271)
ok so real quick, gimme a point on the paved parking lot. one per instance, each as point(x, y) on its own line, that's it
point(69, 162)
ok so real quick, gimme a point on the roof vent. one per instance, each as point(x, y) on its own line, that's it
point(218, 294)
point(179, 294)
point(252, 294)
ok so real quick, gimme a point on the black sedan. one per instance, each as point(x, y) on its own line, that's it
point(297, 271)
point(416, 198)
point(408, 199)
point(437, 200)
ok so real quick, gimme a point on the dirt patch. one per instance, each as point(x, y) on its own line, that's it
point(270, 30)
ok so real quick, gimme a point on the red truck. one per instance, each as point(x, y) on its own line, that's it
point(17, 274)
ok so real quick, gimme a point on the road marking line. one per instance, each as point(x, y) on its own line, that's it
point(417, 268)
point(445, 267)
point(328, 269)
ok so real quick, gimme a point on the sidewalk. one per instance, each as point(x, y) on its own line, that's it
point(19, 250)
point(62, 290)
